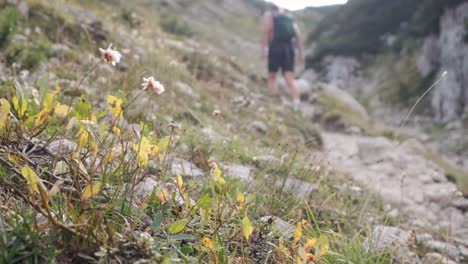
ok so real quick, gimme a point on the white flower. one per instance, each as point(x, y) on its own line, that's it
point(216, 112)
point(110, 55)
point(152, 85)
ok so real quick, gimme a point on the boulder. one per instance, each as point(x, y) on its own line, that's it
point(237, 171)
point(346, 99)
point(61, 147)
point(436, 258)
point(258, 127)
point(443, 248)
point(296, 187)
point(388, 238)
point(186, 89)
point(280, 226)
point(186, 168)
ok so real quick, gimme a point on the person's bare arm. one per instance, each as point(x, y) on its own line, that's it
point(299, 45)
point(267, 32)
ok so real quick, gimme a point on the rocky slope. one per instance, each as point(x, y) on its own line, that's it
point(222, 146)
point(435, 44)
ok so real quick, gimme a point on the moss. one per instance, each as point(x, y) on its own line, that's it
point(8, 24)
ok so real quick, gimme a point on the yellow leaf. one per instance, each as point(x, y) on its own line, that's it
point(4, 112)
point(20, 106)
point(34, 182)
point(323, 245)
point(142, 149)
point(216, 173)
point(49, 102)
point(207, 242)
point(163, 196)
point(115, 106)
point(57, 87)
point(153, 150)
point(117, 132)
point(297, 233)
point(240, 199)
point(310, 244)
point(42, 118)
point(61, 110)
point(180, 181)
point(14, 158)
point(84, 137)
point(91, 190)
point(247, 228)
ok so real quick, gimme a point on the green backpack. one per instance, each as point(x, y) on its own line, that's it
point(283, 26)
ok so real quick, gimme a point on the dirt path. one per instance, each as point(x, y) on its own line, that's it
point(409, 182)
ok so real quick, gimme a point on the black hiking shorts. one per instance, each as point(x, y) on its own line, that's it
point(281, 57)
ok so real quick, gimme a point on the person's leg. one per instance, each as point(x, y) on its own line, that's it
point(272, 84)
point(289, 78)
point(273, 67)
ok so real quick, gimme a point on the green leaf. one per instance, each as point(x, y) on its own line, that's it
point(205, 201)
point(183, 237)
point(20, 106)
point(186, 250)
point(157, 221)
point(247, 228)
point(82, 109)
point(178, 226)
point(163, 143)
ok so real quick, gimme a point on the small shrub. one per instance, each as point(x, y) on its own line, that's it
point(8, 21)
point(176, 26)
point(130, 18)
point(28, 56)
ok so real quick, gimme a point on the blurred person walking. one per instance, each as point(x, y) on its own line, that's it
point(281, 38)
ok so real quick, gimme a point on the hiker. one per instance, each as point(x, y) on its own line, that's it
point(280, 38)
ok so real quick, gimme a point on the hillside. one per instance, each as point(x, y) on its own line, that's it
point(141, 132)
point(388, 53)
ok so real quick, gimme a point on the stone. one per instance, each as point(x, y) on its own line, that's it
point(284, 228)
point(61, 147)
point(237, 171)
point(211, 134)
point(303, 86)
point(186, 89)
point(267, 159)
point(345, 98)
point(23, 8)
point(144, 189)
point(258, 127)
point(461, 203)
point(436, 258)
point(386, 238)
point(59, 49)
point(186, 168)
point(443, 248)
point(296, 187)
point(341, 71)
